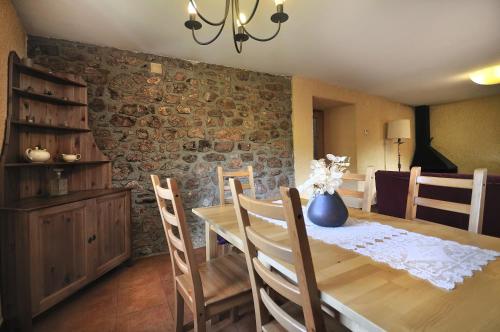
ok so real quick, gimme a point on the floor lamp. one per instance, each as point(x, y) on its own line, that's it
point(399, 130)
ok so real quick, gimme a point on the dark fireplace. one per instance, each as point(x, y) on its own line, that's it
point(425, 155)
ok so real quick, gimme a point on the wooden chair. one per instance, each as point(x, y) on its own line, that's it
point(208, 289)
point(222, 175)
point(303, 312)
point(474, 210)
point(223, 188)
point(366, 196)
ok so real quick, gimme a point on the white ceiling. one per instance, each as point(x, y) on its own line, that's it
point(412, 51)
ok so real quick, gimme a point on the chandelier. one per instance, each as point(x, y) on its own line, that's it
point(239, 21)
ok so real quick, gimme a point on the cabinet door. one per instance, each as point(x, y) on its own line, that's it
point(112, 237)
point(58, 239)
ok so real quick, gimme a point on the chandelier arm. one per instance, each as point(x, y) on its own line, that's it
point(263, 39)
point(221, 22)
point(251, 15)
point(238, 49)
point(211, 40)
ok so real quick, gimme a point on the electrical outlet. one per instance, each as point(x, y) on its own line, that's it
point(156, 68)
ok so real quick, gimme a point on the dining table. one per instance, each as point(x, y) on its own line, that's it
point(371, 296)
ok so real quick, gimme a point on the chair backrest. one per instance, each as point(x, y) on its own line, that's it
point(369, 187)
point(178, 235)
point(242, 173)
point(474, 209)
point(305, 291)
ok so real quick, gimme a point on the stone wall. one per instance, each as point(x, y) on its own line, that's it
point(181, 124)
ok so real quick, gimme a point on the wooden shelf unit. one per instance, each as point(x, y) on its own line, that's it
point(52, 246)
point(64, 129)
point(58, 164)
point(46, 98)
point(48, 76)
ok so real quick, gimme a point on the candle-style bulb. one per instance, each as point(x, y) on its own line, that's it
point(191, 9)
point(242, 20)
point(192, 23)
point(279, 2)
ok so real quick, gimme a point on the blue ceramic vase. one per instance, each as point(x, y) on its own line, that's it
point(327, 210)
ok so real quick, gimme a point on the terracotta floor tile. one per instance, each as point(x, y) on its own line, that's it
point(229, 328)
point(79, 315)
point(136, 298)
point(92, 298)
point(168, 288)
point(165, 270)
point(246, 323)
point(97, 323)
point(44, 325)
point(153, 319)
point(138, 274)
point(140, 297)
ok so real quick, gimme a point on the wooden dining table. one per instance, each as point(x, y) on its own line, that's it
point(372, 296)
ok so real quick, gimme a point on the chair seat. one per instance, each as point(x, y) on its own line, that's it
point(222, 278)
point(295, 311)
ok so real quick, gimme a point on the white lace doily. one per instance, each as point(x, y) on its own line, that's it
point(441, 262)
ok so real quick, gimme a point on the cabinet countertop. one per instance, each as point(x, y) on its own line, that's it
point(42, 202)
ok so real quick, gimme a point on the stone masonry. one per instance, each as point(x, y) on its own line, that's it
point(181, 124)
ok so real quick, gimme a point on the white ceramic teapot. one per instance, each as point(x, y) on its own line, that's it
point(37, 154)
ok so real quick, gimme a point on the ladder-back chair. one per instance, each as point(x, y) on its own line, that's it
point(303, 312)
point(366, 195)
point(209, 288)
point(475, 209)
point(222, 175)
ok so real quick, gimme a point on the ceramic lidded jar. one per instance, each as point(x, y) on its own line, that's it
point(37, 154)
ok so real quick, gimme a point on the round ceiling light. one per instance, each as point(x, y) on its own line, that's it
point(486, 76)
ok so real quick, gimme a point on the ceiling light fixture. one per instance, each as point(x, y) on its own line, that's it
point(239, 22)
point(486, 76)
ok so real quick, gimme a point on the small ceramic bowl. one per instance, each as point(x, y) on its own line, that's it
point(69, 158)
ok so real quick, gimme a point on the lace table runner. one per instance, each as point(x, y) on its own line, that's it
point(441, 262)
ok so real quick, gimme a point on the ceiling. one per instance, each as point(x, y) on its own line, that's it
point(411, 51)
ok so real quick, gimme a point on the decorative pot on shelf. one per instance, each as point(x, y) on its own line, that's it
point(327, 210)
point(69, 158)
point(27, 62)
point(37, 155)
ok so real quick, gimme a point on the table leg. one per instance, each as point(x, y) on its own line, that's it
point(210, 242)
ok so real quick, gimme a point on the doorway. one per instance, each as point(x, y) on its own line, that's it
point(319, 134)
point(334, 129)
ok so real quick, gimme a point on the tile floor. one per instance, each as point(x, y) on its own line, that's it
point(136, 298)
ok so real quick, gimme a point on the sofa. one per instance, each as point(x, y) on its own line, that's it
point(392, 191)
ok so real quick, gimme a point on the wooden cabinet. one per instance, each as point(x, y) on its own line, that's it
point(49, 252)
point(51, 246)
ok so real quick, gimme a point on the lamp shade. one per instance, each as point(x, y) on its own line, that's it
point(399, 129)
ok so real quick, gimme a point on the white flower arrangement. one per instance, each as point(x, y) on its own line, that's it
point(325, 177)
